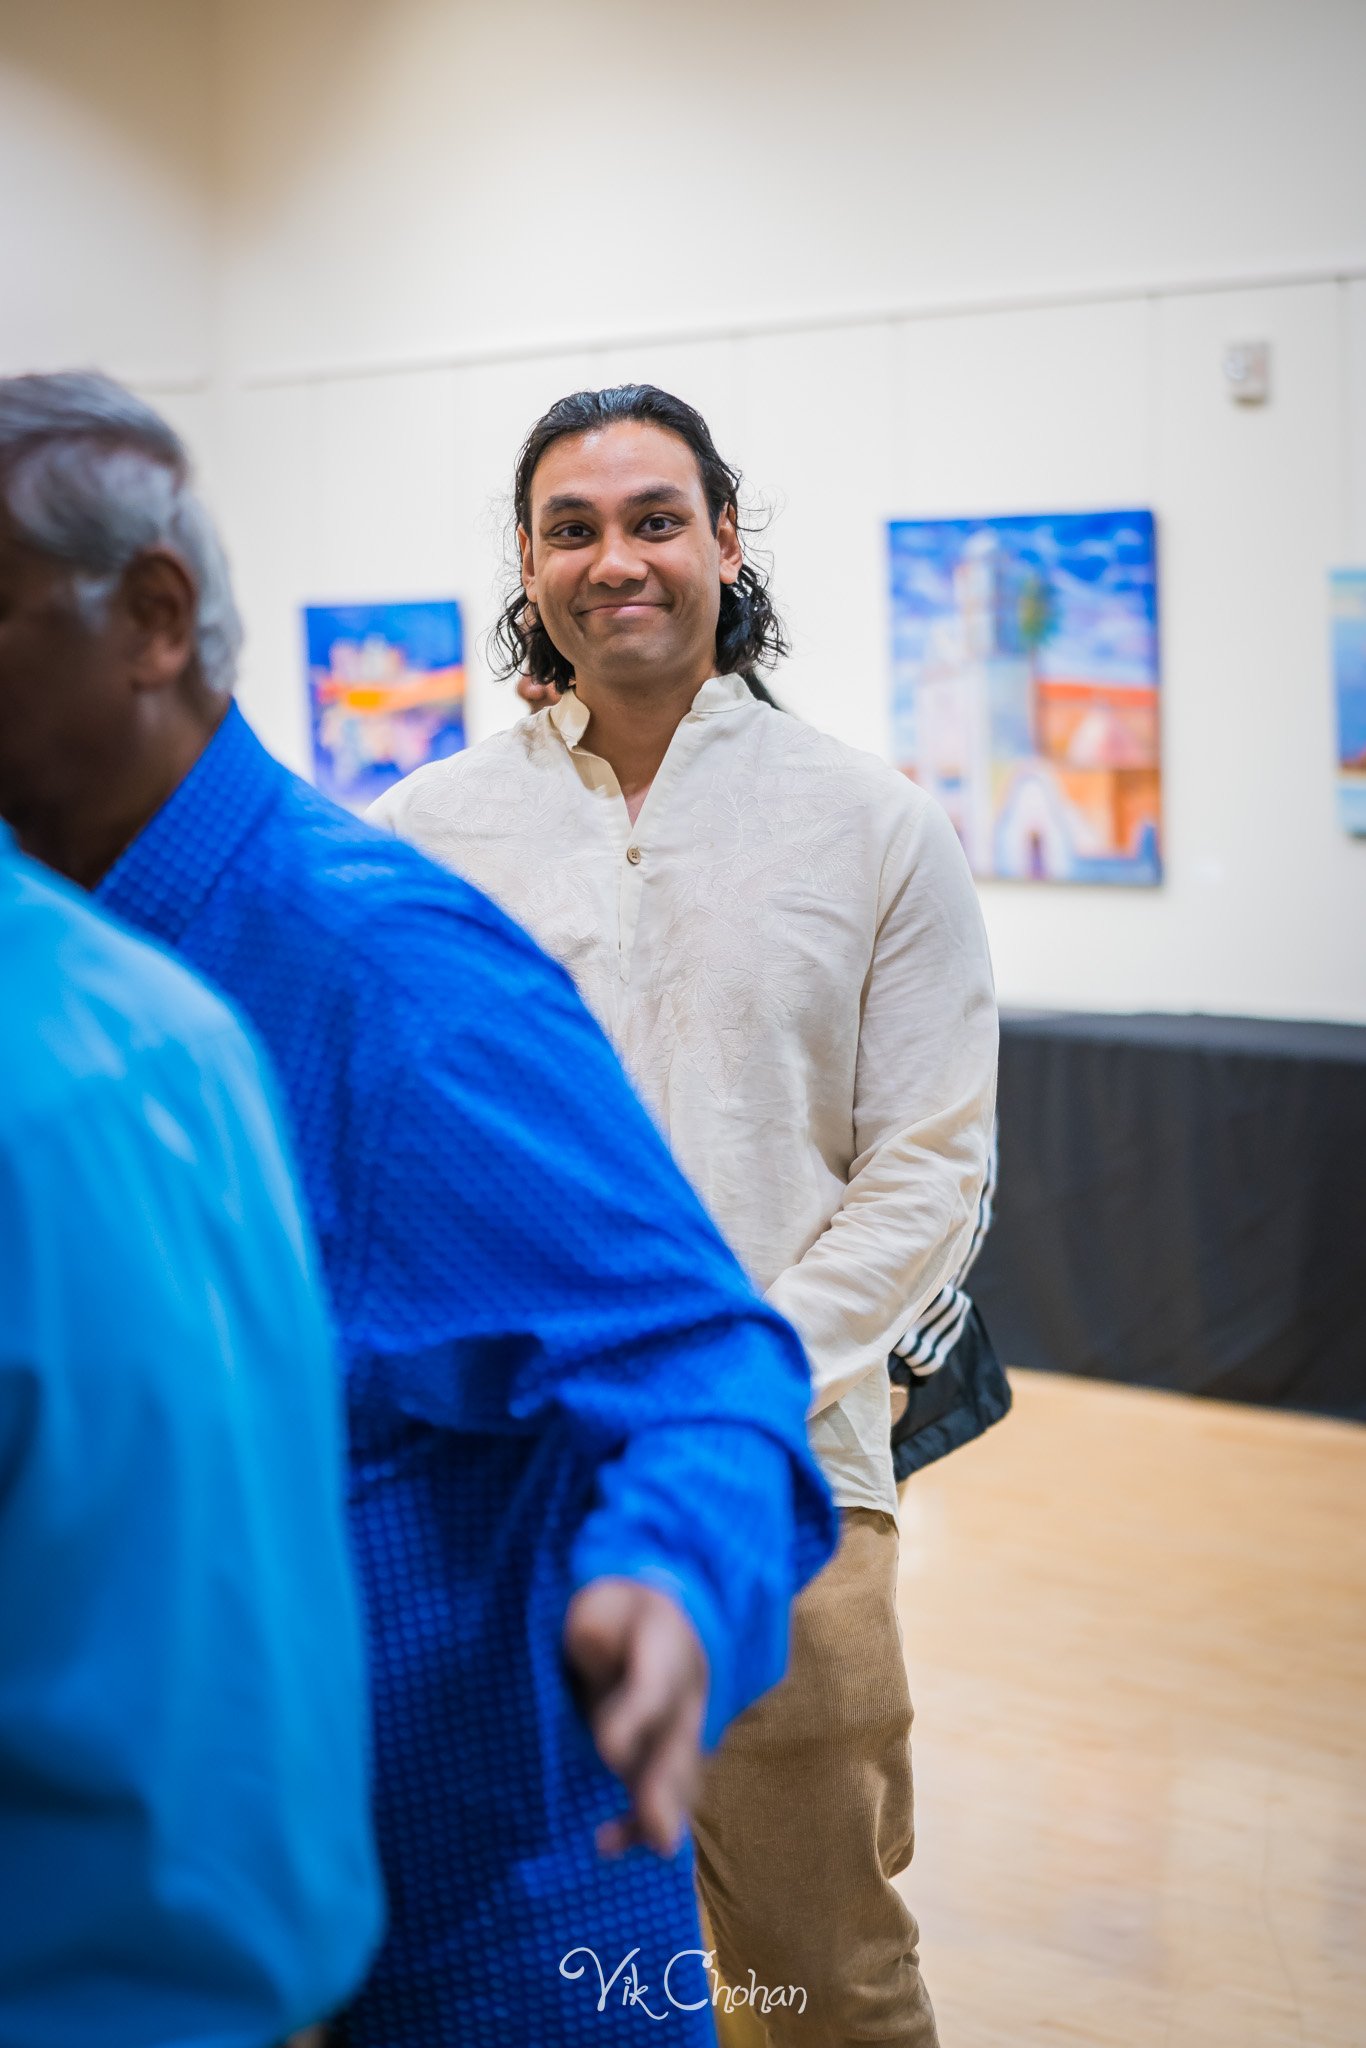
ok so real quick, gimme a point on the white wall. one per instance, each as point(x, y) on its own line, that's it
point(1022, 226)
point(105, 188)
point(390, 485)
point(413, 177)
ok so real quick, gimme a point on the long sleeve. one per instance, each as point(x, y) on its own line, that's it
point(549, 1267)
point(923, 1110)
point(683, 1509)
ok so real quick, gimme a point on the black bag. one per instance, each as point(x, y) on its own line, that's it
point(950, 1406)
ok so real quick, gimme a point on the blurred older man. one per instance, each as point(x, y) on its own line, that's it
point(579, 1471)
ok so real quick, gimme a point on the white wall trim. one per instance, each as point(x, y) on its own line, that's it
point(486, 355)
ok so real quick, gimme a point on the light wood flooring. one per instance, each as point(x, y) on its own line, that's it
point(1136, 1631)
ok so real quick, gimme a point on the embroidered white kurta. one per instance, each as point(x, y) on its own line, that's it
point(787, 951)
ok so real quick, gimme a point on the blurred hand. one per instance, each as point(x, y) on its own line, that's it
point(642, 1678)
point(535, 694)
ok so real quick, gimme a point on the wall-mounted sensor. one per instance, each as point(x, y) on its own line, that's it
point(1247, 371)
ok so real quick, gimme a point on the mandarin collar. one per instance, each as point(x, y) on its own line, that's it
point(719, 693)
point(165, 876)
point(569, 718)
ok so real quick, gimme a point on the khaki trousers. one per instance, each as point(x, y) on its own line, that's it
point(805, 1817)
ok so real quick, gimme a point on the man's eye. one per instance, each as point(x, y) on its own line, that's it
point(571, 530)
point(660, 522)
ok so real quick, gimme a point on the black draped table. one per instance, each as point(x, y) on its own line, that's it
point(1183, 1204)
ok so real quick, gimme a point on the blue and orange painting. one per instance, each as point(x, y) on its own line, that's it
point(1348, 594)
point(386, 693)
point(1025, 689)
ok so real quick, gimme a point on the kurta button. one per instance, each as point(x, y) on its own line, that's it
point(633, 855)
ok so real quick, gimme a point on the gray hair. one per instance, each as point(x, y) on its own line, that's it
point(91, 476)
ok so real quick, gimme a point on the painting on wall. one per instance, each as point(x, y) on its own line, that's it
point(1025, 689)
point(1348, 595)
point(386, 692)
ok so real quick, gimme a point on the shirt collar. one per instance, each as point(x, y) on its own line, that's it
point(569, 718)
point(161, 880)
point(719, 693)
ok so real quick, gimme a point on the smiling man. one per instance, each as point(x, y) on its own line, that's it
point(782, 939)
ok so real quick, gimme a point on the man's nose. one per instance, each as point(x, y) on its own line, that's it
point(617, 560)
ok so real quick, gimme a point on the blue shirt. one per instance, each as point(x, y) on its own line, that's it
point(185, 1849)
point(555, 1370)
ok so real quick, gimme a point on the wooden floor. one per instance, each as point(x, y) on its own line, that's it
point(1136, 1632)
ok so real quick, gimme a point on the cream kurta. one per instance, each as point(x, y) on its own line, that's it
point(787, 951)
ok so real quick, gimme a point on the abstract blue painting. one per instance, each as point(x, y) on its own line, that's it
point(1348, 595)
point(386, 692)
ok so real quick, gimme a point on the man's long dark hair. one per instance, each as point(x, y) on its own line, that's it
point(749, 633)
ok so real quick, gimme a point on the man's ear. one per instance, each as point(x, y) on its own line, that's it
point(528, 574)
point(728, 544)
point(158, 601)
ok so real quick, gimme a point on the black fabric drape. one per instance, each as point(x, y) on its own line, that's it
point(1183, 1204)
